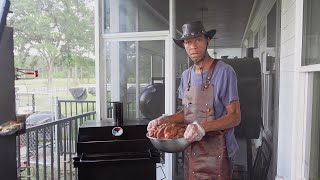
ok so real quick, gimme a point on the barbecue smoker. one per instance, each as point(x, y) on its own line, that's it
point(113, 149)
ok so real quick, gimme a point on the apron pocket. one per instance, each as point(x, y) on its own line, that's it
point(199, 111)
point(212, 165)
point(201, 176)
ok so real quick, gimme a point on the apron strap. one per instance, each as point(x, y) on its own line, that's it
point(210, 73)
point(189, 78)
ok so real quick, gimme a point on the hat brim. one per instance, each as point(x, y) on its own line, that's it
point(179, 42)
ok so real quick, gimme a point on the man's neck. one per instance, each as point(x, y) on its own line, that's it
point(204, 65)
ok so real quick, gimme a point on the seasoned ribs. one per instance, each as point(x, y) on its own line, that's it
point(168, 131)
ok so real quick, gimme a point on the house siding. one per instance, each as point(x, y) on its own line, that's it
point(288, 158)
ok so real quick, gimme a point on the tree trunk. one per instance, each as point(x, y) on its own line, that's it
point(80, 72)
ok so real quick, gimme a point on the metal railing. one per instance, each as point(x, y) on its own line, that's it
point(45, 151)
point(67, 108)
point(50, 148)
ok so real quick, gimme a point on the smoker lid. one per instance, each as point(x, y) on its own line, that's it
point(105, 136)
point(107, 130)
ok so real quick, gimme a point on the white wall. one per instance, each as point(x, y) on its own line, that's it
point(290, 58)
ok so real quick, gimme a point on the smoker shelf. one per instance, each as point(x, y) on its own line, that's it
point(11, 127)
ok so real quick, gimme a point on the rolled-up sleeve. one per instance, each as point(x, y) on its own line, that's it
point(229, 87)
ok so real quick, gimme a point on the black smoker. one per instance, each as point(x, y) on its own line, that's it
point(115, 149)
point(152, 99)
point(249, 87)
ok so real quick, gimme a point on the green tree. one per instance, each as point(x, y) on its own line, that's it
point(52, 31)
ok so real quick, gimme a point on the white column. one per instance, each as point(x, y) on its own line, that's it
point(100, 65)
point(170, 70)
point(162, 67)
point(137, 81)
point(151, 66)
point(115, 71)
point(290, 134)
point(300, 95)
point(114, 52)
point(137, 68)
point(170, 78)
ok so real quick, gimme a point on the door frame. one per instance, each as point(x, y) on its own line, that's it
point(169, 79)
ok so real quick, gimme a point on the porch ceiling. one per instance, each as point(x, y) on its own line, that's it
point(228, 17)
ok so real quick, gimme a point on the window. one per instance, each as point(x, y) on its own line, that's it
point(132, 66)
point(312, 160)
point(270, 66)
point(271, 38)
point(135, 16)
point(311, 33)
point(256, 40)
point(262, 32)
point(311, 56)
point(314, 171)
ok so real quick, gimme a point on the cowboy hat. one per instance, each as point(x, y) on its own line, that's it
point(191, 30)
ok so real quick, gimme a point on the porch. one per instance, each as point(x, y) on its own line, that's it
point(138, 35)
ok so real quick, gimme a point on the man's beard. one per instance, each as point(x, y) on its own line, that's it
point(202, 58)
point(199, 60)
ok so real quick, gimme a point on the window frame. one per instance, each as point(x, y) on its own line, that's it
point(305, 96)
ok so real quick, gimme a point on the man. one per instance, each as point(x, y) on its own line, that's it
point(211, 108)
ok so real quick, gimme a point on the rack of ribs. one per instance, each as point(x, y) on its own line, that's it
point(168, 131)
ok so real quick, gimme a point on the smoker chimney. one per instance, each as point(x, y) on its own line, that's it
point(118, 112)
point(250, 52)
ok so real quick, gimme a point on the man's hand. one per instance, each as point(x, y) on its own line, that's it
point(156, 122)
point(194, 132)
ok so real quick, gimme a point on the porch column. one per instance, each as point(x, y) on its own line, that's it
point(170, 79)
point(118, 59)
point(100, 67)
point(114, 52)
point(137, 67)
point(8, 161)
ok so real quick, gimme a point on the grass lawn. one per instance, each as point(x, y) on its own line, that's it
point(44, 98)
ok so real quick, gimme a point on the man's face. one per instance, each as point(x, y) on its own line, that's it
point(196, 48)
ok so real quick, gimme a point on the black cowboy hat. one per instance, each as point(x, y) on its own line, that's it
point(191, 30)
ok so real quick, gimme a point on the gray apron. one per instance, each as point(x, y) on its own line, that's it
point(206, 159)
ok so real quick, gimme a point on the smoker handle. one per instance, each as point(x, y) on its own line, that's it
point(111, 160)
point(83, 156)
point(11, 127)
